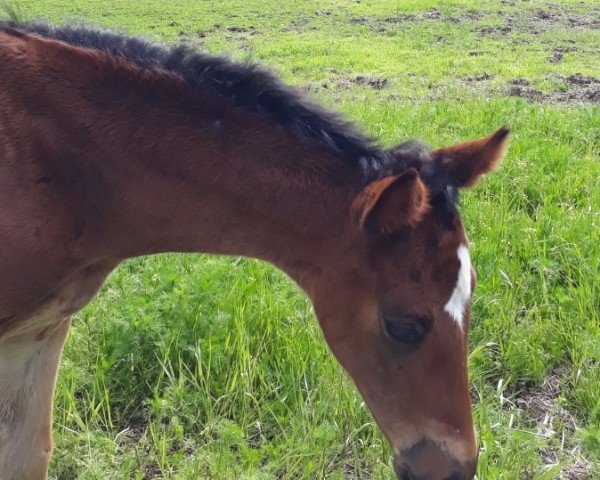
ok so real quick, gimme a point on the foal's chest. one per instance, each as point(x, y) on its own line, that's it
point(50, 303)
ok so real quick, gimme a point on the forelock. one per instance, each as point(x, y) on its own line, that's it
point(409, 154)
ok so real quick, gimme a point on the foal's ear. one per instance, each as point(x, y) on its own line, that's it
point(463, 164)
point(390, 203)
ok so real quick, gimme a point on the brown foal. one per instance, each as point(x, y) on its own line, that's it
point(111, 148)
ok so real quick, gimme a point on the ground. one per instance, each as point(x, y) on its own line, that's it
point(191, 366)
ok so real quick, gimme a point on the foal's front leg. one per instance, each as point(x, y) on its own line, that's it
point(28, 367)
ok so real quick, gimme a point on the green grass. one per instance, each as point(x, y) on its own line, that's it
point(191, 366)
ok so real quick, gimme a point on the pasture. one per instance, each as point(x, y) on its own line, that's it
point(194, 366)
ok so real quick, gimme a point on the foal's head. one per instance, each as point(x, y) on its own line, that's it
point(397, 314)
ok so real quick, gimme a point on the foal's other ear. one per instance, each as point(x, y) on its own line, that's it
point(393, 202)
point(463, 164)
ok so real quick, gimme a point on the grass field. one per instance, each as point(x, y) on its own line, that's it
point(191, 366)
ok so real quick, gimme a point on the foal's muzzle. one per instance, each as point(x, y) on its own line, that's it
point(427, 461)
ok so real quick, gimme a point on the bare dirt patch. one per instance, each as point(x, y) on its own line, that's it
point(435, 14)
point(542, 403)
point(351, 472)
point(247, 30)
point(578, 89)
point(552, 16)
point(540, 21)
point(558, 53)
point(231, 31)
point(544, 411)
point(205, 33)
point(152, 471)
point(579, 469)
point(478, 78)
point(377, 83)
point(494, 30)
point(534, 21)
point(523, 90)
point(347, 82)
point(300, 24)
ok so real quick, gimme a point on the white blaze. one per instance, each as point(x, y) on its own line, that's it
point(462, 291)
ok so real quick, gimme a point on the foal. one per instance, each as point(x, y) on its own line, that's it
point(112, 148)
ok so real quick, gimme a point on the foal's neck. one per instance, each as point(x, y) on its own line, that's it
point(151, 166)
point(228, 183)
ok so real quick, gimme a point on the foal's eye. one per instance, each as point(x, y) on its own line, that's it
point(409, 333)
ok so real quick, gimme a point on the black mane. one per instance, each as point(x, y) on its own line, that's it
point(248, 86)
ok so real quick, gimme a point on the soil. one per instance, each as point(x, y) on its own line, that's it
point(346, 82)
point(351, 472)
point(575, 89)
point(435, 14)
point(523, 20)
point(376, 83)
point(542, 407)
point(578, 470)
point(152, 471)
point(541, 403)
point(478, 78)
point(494, 30)
point(578, 89)
point(552, 16)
